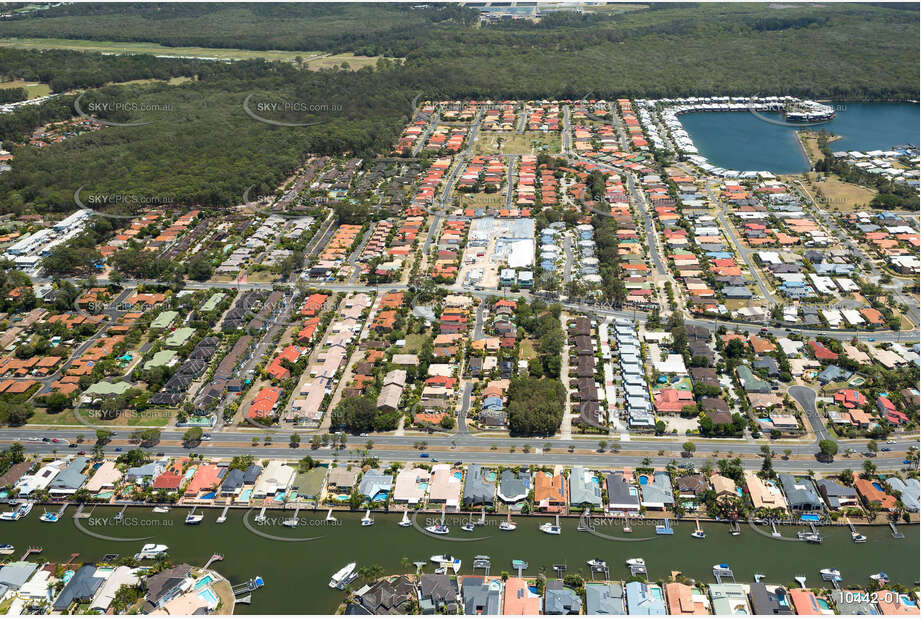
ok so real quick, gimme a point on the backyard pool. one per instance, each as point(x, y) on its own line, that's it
point(809, 517)
point(644, 479)
point(204, 581)
point(208, 596)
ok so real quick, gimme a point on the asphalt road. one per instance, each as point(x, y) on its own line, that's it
point(806, 397)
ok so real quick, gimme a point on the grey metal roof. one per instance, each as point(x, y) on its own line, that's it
point(834, 491)
point(767, 603)
point(72, 476)
point(620, 492)
point(481, 597)
point(800, 492)
point(15, 574)
point(560, 600)
point(604, 599)
point(373, 482)
point(658, 490)
point(477, 490)
point(582, 490)
point(514, 486)
point(82, 586)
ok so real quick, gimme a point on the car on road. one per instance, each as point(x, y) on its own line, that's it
point(71, 445)
point(424, 455)
point(886, 449)
point(434, 460)
point(118, 449)
point(890, 441)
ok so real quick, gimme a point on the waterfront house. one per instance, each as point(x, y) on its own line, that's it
point(837, 495)
point(908, 490)
point(685, 600)
point(14, 473)
point(38, 480)
point(341, 479)
point(479, 486)
point(276, 477)
point(872, 494)
point(604, 599)
point(236, 479)
point(729, 599)
point(806, 603)
point(519, 599)
point(691, 486)
point(410, 485)
point(206, 478)
point(723, 485)
point(800, 492)
point(446, 486)
point(514, 486)
point(645, 599)
point(70, 479)
point(893, 603)
point(772, 601)
point(105, 477)
point(550, 492)
point(764, 495)
point(375, 485)
point(15, 574)
point(656, 492)
point(81, 588)
point(584, 488)
point(854, 603)
point(308, 484)
point(622, 495)
point(165, 585)
point(438, 594)
point(384, 597)
point(560, 600)
point(481, 595)
point(121, 576)
point(145, 474)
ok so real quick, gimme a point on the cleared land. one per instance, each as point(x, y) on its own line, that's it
point(843, 196)
point(35, 89)
point(529, 142)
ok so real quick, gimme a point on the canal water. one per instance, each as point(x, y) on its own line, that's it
point(742, 141)
point(297, 573)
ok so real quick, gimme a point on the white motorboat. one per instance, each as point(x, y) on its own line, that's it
point(437, 529)
point(161, 509)
point(508, 525)
point(49, 517)
point(638, 562)
point(880, 577)
point(405, 522)
point(549, 528)
point(858, 538)
point(597, 563)
point(830, 574)
point(343, 576)
point(699, 534)
point(193, 518)
point(151, 551)
point(20, 512)
point(469, 526)
point(291, 522)
point(367, 520)
point(447, 562)
point(330, 517)
point(6, 549)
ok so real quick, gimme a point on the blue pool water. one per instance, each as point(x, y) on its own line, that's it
point(596, 480)
point(459, 475)
point(532, 589)
point(877, 486)
point(204, 581)
point(906, 600)
point(809, 517)
point(209, 496)
point(644, 479)
point(208, 596)
point(823, 604)
point(279, 497)
point(656, 593)
point(379, 496)
point(245, 494)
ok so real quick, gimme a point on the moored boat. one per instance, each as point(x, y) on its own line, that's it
point(49, 517)
point(19, 513)
point(6, 549)
point(193, 518)
point(161, 509)
point(367, 520)
point(405, 522)
point(151, 551)
point(437, 529)
point(638, 562)
point(343, 576)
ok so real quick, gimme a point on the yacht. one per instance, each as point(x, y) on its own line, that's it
point(597, 563)
point(877, 577)
point(830, 574)
point(161, 509)
point(367, 520)
point(638, 562)
point(405, 521)
point(21, 511)
point(6, 549)
point(343, 576)
point(49, 517)
point(194, 518)
point(508, 525)
point(447, 561)
point(151, 551)
point(857, 537)
point(549, 528)
point(699, 534)
point(437, 529)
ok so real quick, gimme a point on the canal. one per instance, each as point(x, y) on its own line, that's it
point(297, 572)
point(742, 141)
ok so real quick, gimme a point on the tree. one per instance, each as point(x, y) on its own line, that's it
point(355, 414)
point(828, 449)
point(192, 436)
point(602, 444)
point(787, 452)
point(735, 349)
point(369, 444)
point(57, 402)
point(689, 447)
point(872, 447)
point(294, 440)
point(103, 436)
point(869, 468)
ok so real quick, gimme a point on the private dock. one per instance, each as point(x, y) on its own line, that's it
point(603, 570)
point(895, 531)
point(223, 516)
point(261, 516)
point(774, 531)
point(734, 528)
point(121, 514)
point(585, 522)
point(560, 570)
point(32, 550)
point(665, 528)
point(62, 509)
point(482, 562)
point(519, 565)
point(254, 583)
point(214, 558)
point(722, 571)
point(637, 569)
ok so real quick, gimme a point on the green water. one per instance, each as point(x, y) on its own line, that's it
point(297, 573)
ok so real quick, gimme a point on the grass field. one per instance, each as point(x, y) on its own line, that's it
point(335, 60)
point(35, 89)
point(148, 418)
point(843, 196)
point(500, 142)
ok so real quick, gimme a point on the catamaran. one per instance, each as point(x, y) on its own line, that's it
point(508, 525)
point(151, 551)
point(343, 576)
point(367, 520)
point(405, 522)
point(549, 528)
point(21, 511)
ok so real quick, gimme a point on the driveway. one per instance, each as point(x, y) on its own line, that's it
point(805, 397)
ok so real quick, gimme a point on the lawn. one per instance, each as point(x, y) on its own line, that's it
point(154, 417)
point(35, 89)
point(527, 349)
point(481, 200)
point(504, 142)
point(841, 196)
point(414, 343)
point(336, 60)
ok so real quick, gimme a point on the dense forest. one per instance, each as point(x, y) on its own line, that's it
point(200, 146)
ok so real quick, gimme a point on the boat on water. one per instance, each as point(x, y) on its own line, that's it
point(508, 525)
point(343, 576)
point(151, 551)
point(161, 509)
point(519, 564)
point(469, 526)
point(405, 521)
point(446, 562)
point(437, 529)
point(6, 549)
point(367, 520)
point(830, 574)
point(220, 519)
point(20, 512)
point(193, 518)
point(877, 577)
point(857, 537)
point(721, 567)
point(332, 518)
point(636, 562)
point(291, 522)
point(597, 563)
point(554, 528)
point(699, 534)
point(51, 518)
point(119, 516)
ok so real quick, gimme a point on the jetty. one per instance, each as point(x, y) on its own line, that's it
point(560, 570)
point(601, 569)
point(722, 571)
point(80, 514)
point(254, 583)
point(585, 522)
point(637, 570)
point(895, 531)
point(419, 564)
point(32, 550)
point(261, 516)
point(665, 528)
point(519, 565)
point(214, 558)
point(223, 516)
point(774, 531)
point(734, 528)
point(482, 562)
point(121, 514)
point(293, 521)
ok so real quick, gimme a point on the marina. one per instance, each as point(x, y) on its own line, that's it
point(386, 543)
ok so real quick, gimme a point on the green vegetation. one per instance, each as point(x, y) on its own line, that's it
point(536, 405)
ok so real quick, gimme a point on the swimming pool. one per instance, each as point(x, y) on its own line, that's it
point(809, 517)
point(204, 581)
point(644, 479)
point(209, 496)
point(878, 487)
point(823, 603)
point(655, 592)
point(279, 497)
point(245, 495)
point(459, 475)
point(380, 496)
point(208, 596)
